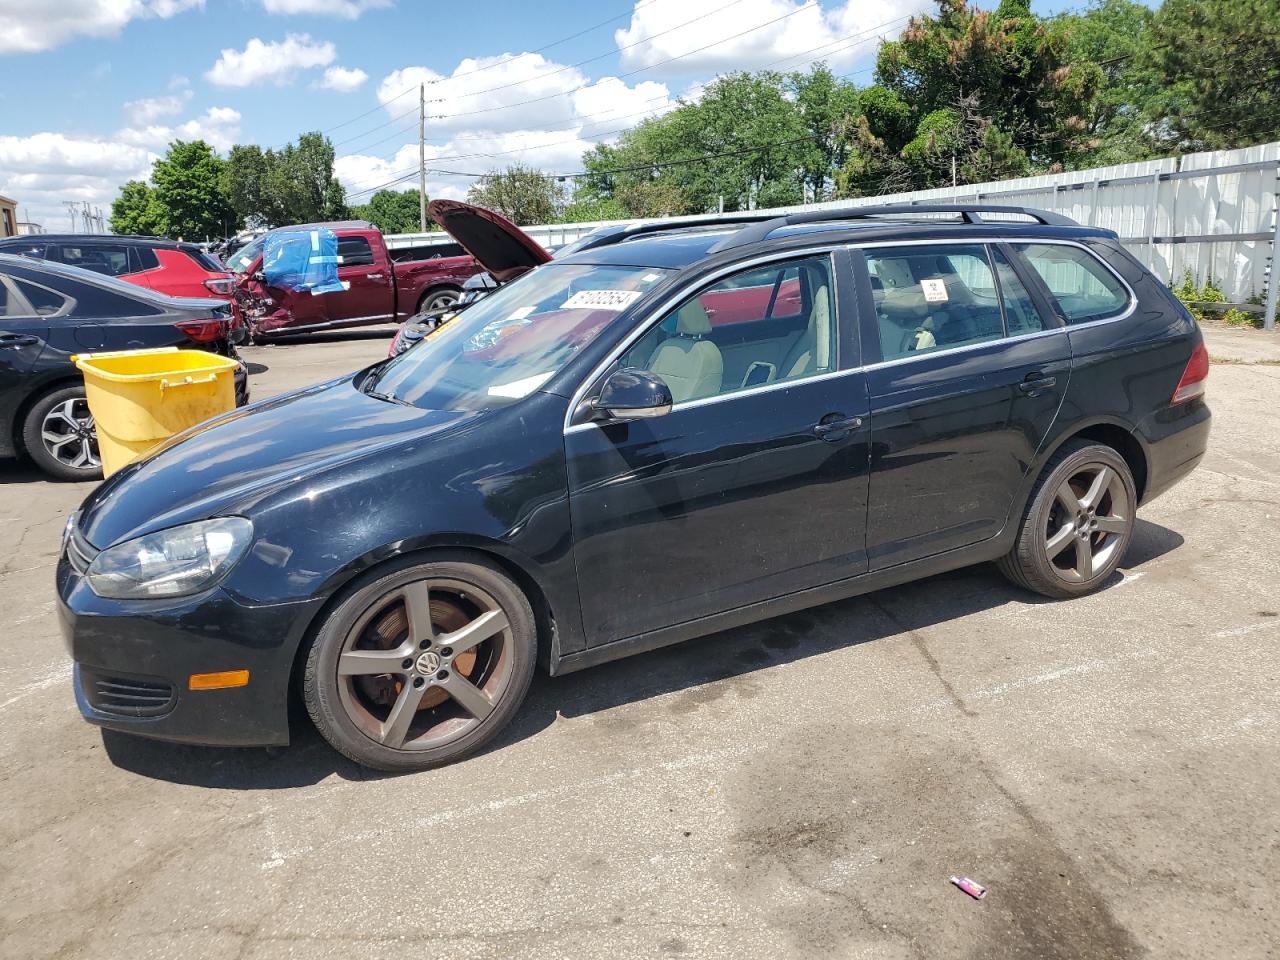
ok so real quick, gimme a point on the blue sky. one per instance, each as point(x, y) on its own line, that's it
point(93, 89)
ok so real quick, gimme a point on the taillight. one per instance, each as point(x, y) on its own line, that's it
point(204, 331)
point(222, 286)
point(1193, 377)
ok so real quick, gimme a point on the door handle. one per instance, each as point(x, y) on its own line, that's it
point(18, 340)
point(1034, 384)
point(830, 429)
point(373, 276)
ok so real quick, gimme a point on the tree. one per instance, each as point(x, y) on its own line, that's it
point(135, 211)
point(271, 188)
point(188, 189)
point(392, 211)
point(826, 106)
point(1216, 66)
point(521, 194)
point(590, 209)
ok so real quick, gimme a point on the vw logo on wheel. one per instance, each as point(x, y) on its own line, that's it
point(429, 662)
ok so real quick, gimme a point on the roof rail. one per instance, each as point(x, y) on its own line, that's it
point(969, 213)
point(605, 236)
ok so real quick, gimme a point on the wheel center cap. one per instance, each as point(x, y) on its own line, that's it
point(429, 662)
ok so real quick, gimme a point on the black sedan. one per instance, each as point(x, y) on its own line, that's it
point(48, 312)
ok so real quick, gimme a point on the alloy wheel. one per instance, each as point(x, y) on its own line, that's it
point(442, 300)
point(1087, 523)
point(425, 664)
point(70, 435)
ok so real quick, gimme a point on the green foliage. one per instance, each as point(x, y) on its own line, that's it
point(187, 193)
point(591, 210)
point(1192, 295)
point(1214, 76)
point(270, 188)
point(135, 211)
point(521, 194)
point(392, 211)
point(1238, 318)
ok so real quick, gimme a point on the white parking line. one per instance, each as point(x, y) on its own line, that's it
point(59, 674)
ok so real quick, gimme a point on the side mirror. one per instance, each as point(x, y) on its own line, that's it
point(628, 394)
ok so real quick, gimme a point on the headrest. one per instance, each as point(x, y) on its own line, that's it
point(692, 319)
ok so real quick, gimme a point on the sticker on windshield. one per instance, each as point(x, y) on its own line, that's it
point(935, 291)
point(520, 388)
point(520, 314)
point(650, 277)
point(601, 300)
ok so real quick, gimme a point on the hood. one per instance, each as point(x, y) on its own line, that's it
point(498, 245)
point(229, 464)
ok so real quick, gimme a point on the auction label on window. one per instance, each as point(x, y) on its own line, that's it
point(601, 300)
point(935, 291)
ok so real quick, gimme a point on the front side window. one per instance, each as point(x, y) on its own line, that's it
point(761, 326)
point(506, 346)
point(1082, 287)
point(933, 298)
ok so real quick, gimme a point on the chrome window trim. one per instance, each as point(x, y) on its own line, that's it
point(660, 312)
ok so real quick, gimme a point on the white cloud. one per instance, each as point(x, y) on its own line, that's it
point(274, 62)
point(218, 126)
point(347, 9)
point(343, 79)
point(796, 31)
point(525, 92)
point(30, 26)
point(43, 170)
point(148, 110)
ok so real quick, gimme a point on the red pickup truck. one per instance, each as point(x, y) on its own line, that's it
point(378, 290)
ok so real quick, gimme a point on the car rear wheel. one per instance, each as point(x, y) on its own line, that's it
point(60, 436)
point(439, 299)
point(422, 665)
point(1078, 524)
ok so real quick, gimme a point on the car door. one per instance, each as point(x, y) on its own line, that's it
point(742, 492)
point(972, 371)
point(23, 334)
point(369, 293)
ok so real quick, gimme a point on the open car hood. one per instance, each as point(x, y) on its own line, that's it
point(498, 245)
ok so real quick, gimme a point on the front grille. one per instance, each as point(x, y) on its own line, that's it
point(80, 552)
point(127, 696)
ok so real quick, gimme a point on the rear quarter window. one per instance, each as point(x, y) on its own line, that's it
point(1081, 285)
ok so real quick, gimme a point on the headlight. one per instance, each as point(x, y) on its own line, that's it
point(171, 563)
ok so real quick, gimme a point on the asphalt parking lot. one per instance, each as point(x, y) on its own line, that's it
point(1107, 767)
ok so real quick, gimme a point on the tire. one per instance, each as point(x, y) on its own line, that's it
point(63, 413)
point(1064, 551)
point(439, 299)
point(406, 698)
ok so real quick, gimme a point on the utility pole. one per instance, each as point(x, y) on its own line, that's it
point(422, 156)
point(72, 207)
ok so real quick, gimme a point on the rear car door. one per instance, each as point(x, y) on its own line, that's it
point(972, 370)
point(368, 279)
point(753, 486)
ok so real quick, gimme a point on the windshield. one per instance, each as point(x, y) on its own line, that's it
point(242, 259)
point(509, 344)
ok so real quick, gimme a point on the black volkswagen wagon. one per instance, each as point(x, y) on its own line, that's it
point(674, 430)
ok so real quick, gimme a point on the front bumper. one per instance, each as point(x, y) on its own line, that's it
point(133, 660)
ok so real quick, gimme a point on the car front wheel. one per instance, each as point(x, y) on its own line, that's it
point(1077, 525)
point(60, 436)
point(421, 665)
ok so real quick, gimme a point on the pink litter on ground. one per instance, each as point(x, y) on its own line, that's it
point(975, 890)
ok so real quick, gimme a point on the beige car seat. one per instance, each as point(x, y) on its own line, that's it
point(691, 366)
point(812, 352)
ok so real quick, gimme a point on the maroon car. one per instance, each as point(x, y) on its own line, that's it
point(377, 289)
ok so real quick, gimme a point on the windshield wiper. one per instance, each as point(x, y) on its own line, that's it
point(391, 397)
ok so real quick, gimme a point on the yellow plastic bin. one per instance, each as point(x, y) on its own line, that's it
point(140, 397)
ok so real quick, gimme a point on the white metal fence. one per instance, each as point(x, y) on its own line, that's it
point(1213, 214)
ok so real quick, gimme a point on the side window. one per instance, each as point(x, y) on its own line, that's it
point(1020, 313)
point(354, 252)
point(44, 301)
point(145, 259)
point(761, 326)
point(933, 297)
point(34, 250)
point(1083, 288)
point(109, 259)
